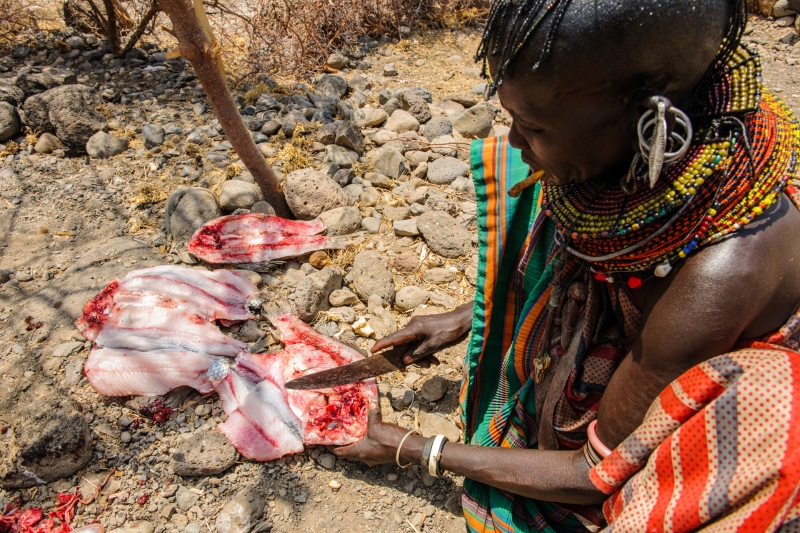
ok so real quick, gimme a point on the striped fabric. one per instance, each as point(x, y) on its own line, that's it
point(702, 441)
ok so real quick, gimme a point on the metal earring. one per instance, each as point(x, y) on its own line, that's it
point(663, 148)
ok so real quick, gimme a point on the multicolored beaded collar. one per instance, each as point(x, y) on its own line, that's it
point(742, 158)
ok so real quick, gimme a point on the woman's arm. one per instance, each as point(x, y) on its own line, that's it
point(555, 476)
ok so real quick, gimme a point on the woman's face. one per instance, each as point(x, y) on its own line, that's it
point(573, 128)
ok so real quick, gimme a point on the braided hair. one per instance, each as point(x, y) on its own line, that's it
point(511, 23)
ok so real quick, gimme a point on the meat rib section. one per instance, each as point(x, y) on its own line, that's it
point(218, 295)
point(132, 373)
point(256, 238)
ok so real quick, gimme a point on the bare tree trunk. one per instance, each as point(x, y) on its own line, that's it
point(111, 26)
point(137, 33)
point(194, 46)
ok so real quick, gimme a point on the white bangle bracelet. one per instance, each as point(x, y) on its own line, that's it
point(436, 454)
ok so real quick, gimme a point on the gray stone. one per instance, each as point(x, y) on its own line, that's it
point(46, 440)
point(444, 235)
point(415, 106)
point(327, 461)
point(353, 191)
point(372, 275)
point(263, 207)
point(786, 8)
point(330, 169)
point(10, 93)
point(313, 292)
point(49, 78)
point(439, 202)
point(152, 135)
point(73, 373)
point(369, 197)
point(390, 70)
point(235, 194)
point(371, 224)
point(341, 220)
point(187, 209)
point(382, 322)
point(65, 349)
point(392, 214)
point(475, 122)
point(310, 193)
point(47, 144)
point(405, 228)
point(344, 314)
point(103, 145)
point(242, 513)
point(342, 297)
point(343, 176)
point(439, 275)
point(331, 85)
point(453, 504)
point(785, 22)
point(392, 105)
point(23, 275)
point(437, 127)
point(410, 297)
point(326, 134)
point(378, 180)
point(185, 498)
point(136, 526)
point(340, 155)
point(338, 61)
point(402, 121)
point(390, 162)
point(68, 113)
point(10, 123)
point(446, 169)
point(206, 453)
point(349, 136)
point(434, 389)
point(431, 424)
point(369, 118)
point(271, 127)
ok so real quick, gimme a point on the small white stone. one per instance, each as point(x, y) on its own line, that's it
point(334, 485)
point(663, 270)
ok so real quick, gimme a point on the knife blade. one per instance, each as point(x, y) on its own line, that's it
point(377, 365)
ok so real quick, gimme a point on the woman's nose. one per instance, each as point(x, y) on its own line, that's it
point(516, 139)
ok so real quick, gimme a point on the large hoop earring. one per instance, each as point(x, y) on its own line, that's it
point(663, 149)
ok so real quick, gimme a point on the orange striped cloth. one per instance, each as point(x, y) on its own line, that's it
point(719, 450)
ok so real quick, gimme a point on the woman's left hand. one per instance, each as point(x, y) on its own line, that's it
point(379, 445)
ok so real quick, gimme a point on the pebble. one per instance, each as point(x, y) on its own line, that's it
point(186, 498)
point(402, 121)
point(410, 379)
point(390, 162)
point(241, 513)
point(410, 297)
point(342, 297)
point(434, 424)
point(446, 169)
point(102, 145)
point(475, 122)
point(310, 193)
point(47, 144)
point(439, 275)
point(341, 220)
point(125, 437)
point(390, 70)
point(434, 389)
point(334, 485)
point(371, 224)
point(369, 118)
point(369, 197)
point(152, 135)
point(138, 526)
point(237, 194)
point(405, 228)
point(205, 453)
point(327, 461)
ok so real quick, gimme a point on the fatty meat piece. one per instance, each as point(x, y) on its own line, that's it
point(260, 423)
point(132, 373)
point(256, 238)
point(145, 321)
point(333, 416)
point(218, 295)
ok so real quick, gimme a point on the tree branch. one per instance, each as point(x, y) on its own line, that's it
point(194, 46)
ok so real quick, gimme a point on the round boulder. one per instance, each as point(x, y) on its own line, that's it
point(444, 235)
point(446, 169)
point(409, 298)
point(67, 112)
point(342, 220)
point(188, 209)
point(310, 192)
point(372, 275)
point(103, 145)
point(9, 121)
point(207, 453)
point(237, 194)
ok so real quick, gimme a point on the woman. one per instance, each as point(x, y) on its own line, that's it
point(633, 330)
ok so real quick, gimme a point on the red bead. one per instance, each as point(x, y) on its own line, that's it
point(634, 282)
point(600, 276)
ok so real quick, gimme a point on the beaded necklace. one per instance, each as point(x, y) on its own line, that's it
point(743, 155)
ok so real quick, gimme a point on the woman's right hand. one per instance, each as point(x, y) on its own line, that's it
point(426, 335)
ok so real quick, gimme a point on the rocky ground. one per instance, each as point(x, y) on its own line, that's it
point(380, 148)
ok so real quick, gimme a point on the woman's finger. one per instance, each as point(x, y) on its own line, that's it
point(404, 336)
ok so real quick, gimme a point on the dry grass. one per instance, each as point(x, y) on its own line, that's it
point(233, 170)
point(149, 194)
point(11, 149)
point(296, 154)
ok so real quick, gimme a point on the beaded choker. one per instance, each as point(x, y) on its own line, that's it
point(743, 155)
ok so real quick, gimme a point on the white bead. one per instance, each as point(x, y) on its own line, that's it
point(663, 270)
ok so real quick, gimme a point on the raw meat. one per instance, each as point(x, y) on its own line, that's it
point(221, 294)
point(118, 318)
point(131, 373)
point(256, 238)
point(260, 424)
point(334, 416)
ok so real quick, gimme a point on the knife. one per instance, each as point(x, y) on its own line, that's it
point(377, 365)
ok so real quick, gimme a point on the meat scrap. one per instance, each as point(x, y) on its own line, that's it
point(255, 238)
